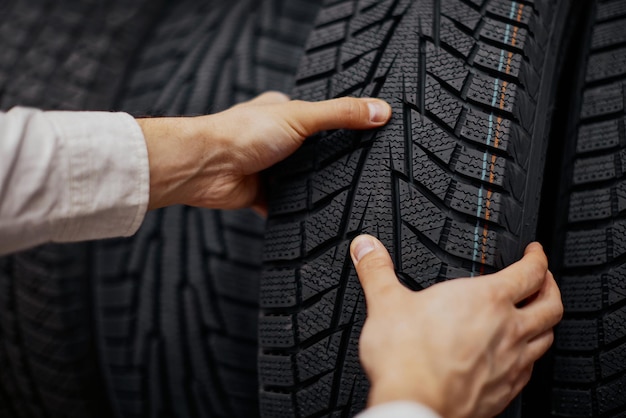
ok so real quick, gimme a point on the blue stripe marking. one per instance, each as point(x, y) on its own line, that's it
point(507, 33)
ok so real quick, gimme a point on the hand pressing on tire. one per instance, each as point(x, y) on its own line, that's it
point(213, 161)
point(464, 348)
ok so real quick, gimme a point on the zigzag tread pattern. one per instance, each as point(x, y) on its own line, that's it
point(443, 185)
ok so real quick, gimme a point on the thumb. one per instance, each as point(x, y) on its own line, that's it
point(374, 268)
point(342, 113)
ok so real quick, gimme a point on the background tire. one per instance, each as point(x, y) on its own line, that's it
point(589, 356)
point(451, 186)
point(177, 304)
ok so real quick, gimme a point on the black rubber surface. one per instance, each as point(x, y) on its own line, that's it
point(68, 55)
point(57, 55)
point(590, 346)
point(177, 304)
point(451, 185)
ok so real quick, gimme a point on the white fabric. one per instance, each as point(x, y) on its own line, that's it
point(399, 409)
point(70, 176)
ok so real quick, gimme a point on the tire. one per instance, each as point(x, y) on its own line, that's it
point(589, 356)
point(177, 304)
point(57, 55)
point(451, 186)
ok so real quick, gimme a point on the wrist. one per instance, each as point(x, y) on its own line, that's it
point(180, 153)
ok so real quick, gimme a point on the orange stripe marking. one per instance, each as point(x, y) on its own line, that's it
point(496, 143)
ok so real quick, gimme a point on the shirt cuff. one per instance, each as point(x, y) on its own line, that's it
point(107, 174)
point(399, 409)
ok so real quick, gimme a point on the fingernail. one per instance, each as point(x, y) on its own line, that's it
point(362, 245)
point(379, 111)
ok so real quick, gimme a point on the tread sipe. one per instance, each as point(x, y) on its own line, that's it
point(451, 186)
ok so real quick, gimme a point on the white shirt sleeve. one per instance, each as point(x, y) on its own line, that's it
point(70, 176)
point(399, 409)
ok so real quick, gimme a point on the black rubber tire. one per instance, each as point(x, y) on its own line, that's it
point(57, 55)
point(457, 134)
point(177, 304)
point(589, 358)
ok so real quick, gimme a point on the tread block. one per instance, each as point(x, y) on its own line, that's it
point(571, 403)
point(614, 325)
point(610, 9)
point(316, 397)
point(278, 288)
point(607, 64)
point(320, 274)
point(616, 281)
point(317, 318)
point(611, 395)
point(608, 34)
point(276, 370)
point(576, 335)
point(602, 100)
point(590, 205)
point(322, 226)
point(574, 369)
point(594, 169)
point(272, 331)
point(598, 136)
point(283, 238)
point(279, 405)
point(581, 293)
point(318, 359)
point(612, 361)
point(585, 248)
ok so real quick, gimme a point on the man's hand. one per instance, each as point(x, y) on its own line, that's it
point(213, 161)
point(466, 347)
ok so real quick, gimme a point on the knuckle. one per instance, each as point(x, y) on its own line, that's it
point(537, 267)
point(276, 96)
point(375, 261)
point(350, 109)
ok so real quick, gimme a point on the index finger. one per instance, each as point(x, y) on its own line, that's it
point(525, 277)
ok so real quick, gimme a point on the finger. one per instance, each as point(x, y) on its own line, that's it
point(545, 311)
point(374, 268)
point(538, 346)
point(344, 113)
point(525, 277)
